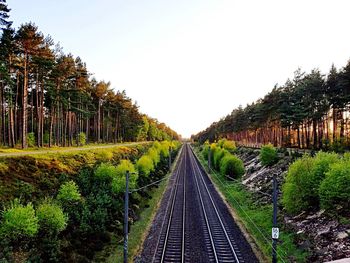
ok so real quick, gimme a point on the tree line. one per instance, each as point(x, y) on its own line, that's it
point(309, 111)
point(49, 98)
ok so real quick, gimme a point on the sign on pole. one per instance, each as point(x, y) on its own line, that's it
point(275, 232)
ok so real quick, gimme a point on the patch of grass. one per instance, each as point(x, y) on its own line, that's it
point(257, 219)
point(54, 149)
point(42, 170)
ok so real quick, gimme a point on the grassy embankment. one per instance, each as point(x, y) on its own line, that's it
point(138, 230)
point(6, 151)
point(36, 175)
point(256, 219)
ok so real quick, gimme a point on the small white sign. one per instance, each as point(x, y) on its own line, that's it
point(275, 232)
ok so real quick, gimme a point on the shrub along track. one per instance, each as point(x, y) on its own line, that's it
point(194, 223)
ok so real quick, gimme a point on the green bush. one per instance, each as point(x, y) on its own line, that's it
point(232, 166)
point(46, 138)
point(205, 151)
point(268, 155)
point(164, 149)
point(218, 155)
point(335, 188)
point(105, 171)
point(322, 164)
point(295, 190)
point(145, 165)
point(229, 145)
point(31, 139)
point(212, 150)
point(118, 182)
point(19, 221)
point(82, 138)
point(301, 188)
point(69, 192)
point(51, 217)
point(154, 155)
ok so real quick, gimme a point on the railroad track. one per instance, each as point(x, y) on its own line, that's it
point(222, 244)
point(179, 229)
point(171, 241)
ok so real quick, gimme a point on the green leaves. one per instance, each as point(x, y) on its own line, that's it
point(268, 155)
point(51, 217)
point(301, 188)
point(335, 188)
point(231, 165)
point(82, 138)
point(105, 171)
point(118, 182)
point(69, 192)
point(145, 165)
point(19, 221)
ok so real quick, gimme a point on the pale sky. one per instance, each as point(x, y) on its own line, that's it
point(190, 62)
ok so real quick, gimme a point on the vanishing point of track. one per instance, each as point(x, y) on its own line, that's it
point(194, 215)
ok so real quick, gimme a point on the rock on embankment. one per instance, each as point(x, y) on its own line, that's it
point(325, 237)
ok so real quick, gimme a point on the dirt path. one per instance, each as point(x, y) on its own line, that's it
point(60, 150)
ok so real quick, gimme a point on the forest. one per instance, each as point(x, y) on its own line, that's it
point(310, 111)
point(49, 98)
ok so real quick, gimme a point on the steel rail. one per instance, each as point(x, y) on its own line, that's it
point(170, 216)
point(196, 167)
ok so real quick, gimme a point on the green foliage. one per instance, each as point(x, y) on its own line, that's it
point(301, 188)
point(322, 163)
point(145, 165)
point(51, 217)
point(218, 155)
point(205, 151)
point(211, 152)
point(335, 188)
point(154, 155)
point(82, 138)
point(338, 145)
point(69, 192)
point(268, 155)
point(31, 139)
point(118, 182)
point(19, 221)
point(295, 190)
point(232, 166)
point(164, 148)
point(46, 138)
point(229, 145)
point(105, 171)
point(226, 144)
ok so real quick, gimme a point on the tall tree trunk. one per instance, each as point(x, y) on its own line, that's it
point(16, 108)
point(42, 116)
point(334, 124)
point(52, 114)
point(38, 126)
point(314, 131)
point(25, 103)
point(11, 128)
point(3, 115)
point(99, 121)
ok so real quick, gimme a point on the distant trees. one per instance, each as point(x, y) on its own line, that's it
point(52, 96)
point(309, 111)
